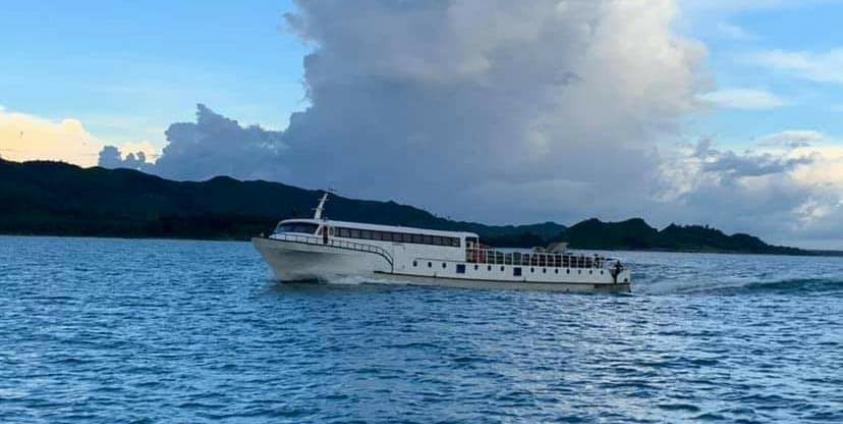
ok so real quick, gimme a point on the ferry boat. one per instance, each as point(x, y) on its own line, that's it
point(322, 249)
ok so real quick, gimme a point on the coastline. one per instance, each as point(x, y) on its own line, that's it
point(122, 203)
point(807, 253)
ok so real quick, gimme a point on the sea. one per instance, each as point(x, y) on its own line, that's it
point(160, 331)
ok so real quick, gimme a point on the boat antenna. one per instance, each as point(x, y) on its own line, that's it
point(317, 214)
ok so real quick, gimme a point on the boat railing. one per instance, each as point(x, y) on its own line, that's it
point(537, 259)
point(332, 242)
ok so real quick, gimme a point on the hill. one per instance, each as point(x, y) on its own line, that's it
point(49, 198)
point(60, 199)
point(636, 234)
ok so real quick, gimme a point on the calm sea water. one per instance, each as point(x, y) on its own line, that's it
point(119, 331)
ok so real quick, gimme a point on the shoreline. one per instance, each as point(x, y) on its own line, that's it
point(808, 253)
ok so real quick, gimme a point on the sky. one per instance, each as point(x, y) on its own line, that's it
point(688, 111)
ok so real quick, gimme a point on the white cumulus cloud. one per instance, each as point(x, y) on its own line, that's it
point(26, 137)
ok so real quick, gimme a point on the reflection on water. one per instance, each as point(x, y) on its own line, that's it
point(174, 331)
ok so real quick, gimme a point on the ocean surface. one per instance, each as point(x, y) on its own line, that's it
point(128, 331)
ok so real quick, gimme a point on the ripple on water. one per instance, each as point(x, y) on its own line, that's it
point(99, 330)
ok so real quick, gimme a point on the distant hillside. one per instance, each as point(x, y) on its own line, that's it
point(59, 199)
point(635, 234)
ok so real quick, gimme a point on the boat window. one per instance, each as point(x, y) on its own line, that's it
point(355, 233)
point(429, 264)
point(296, 227)
point(444, 265)
point(427, 240)
point(415, 263)
point(516, 271)
point(460, 268)
point(416, 238)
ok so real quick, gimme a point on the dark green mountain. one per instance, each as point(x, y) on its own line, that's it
point(61, 199)
point(51, 198)
point(635, 234)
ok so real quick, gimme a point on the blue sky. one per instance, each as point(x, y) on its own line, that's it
point(76, 76)
point(129, 69)
point(812, 27)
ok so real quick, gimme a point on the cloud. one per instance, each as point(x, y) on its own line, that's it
point(745, 99)
point(791, 194)
point(437, 103)
point(738, 6)
point(792, 139)
point(735, 32)
point(213, 145)
point(463, 95)
point(819, 67)
point(26, 137)
point(732, 165)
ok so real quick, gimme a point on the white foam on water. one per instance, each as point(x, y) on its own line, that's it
point(345, 280)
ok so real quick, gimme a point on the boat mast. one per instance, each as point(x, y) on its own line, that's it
point(317, 214)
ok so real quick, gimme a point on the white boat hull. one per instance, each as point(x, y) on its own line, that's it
point(294, 261)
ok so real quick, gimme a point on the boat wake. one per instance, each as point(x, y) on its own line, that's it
point(345, 280)
point(743, 286)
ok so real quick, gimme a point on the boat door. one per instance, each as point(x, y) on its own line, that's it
point(326, 232)
point(399, 256)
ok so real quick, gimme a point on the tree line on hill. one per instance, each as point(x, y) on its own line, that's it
point(50, 198)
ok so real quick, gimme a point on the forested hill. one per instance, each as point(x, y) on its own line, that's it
point(61, 199)
point(49, 198)
point(635, 234)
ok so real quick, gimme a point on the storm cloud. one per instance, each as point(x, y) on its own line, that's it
point(213, 145)
point(469, 107)
point(472, 106)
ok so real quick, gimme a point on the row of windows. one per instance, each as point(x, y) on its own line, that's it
point(355, 233)
point(538, 259)
point(516, 271)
